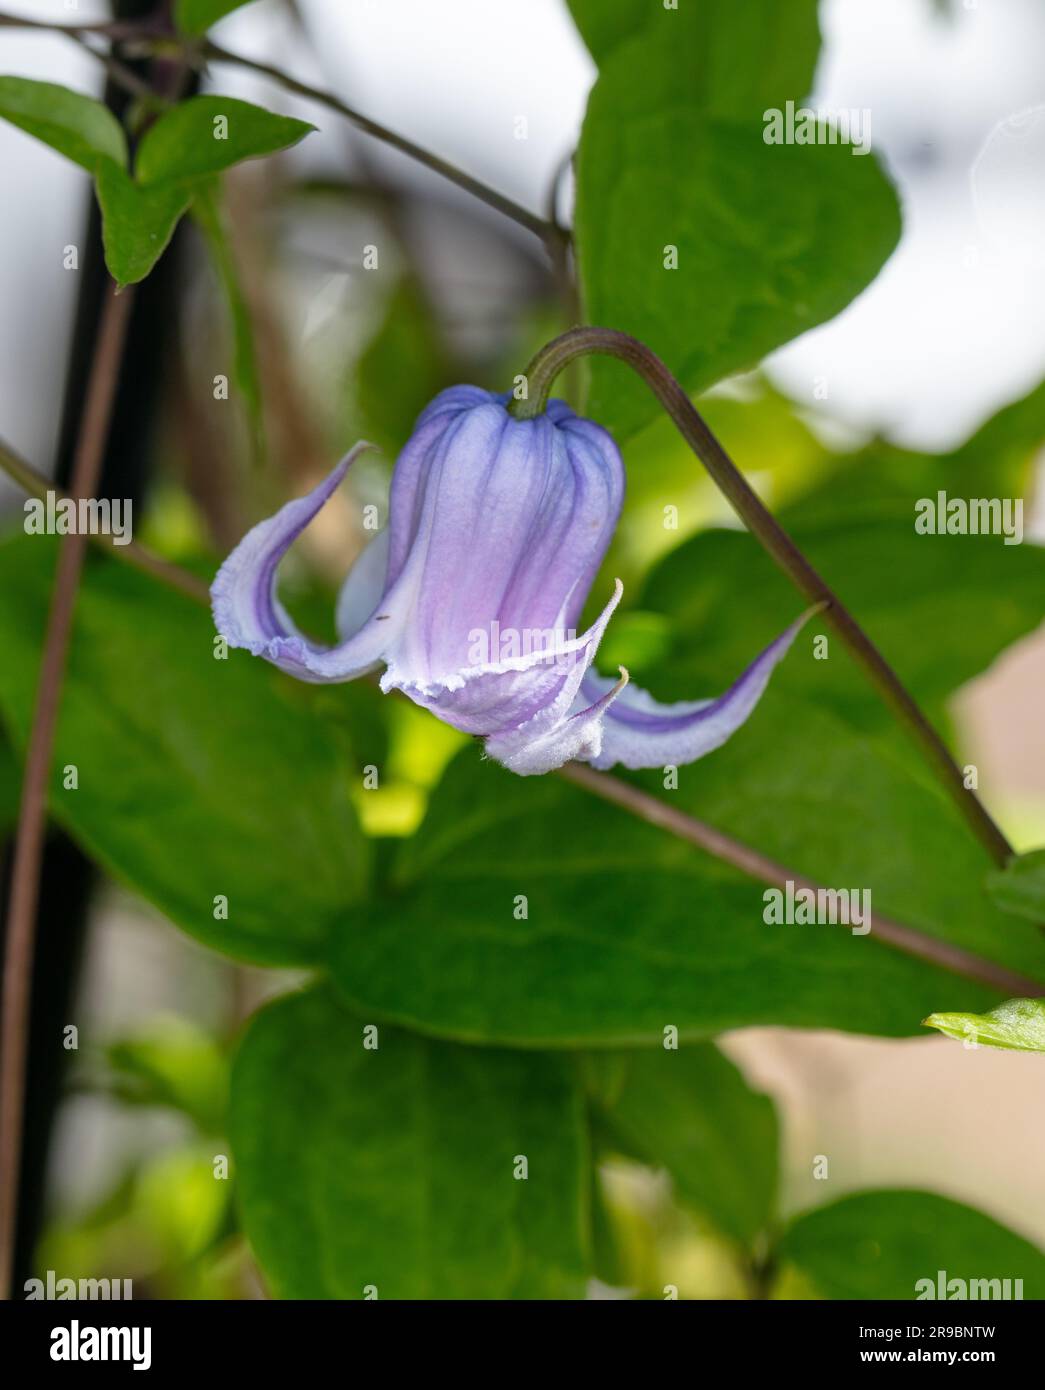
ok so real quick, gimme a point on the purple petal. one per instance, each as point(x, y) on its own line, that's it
point(248, 614)
point(503, 696)
point(363, 587)
point(639, 732)
point(508, 521)
point(577, 737)
point(556, 730)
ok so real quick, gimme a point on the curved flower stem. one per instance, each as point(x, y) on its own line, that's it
point(908, 940)
point(19, 942)
point(540, 374)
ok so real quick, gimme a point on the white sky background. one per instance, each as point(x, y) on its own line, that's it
point(952, 329)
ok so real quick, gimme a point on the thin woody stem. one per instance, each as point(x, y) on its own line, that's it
point(81, 33)
point(108, 29)
point(134, 553)
point(546, 230)
point(20, 936)
point(148, 35)
point(908, 940)
point(540, 375)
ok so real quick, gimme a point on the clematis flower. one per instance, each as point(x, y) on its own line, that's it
point(471, 596)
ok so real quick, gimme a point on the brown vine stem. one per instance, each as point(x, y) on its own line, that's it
point(134, 553)
point(548, 231)
point(908, 940)
point(147, 37)
point(107, 29)
point(577, 342)
point(20, 933)
point(79, 34)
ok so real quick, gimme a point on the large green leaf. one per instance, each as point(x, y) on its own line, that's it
point(691, 1112)
point(846, 808)
point(1017, 1025)
point(771, 239)
point(604, 26)
point(628, 930)
point(207, 134)
point(1019, 888)
point(137, 223)
point(395, 1168)
point(197, 778)
point(881, 1244)
point(732, 58)
point(75, 125)
point(941, 609)
point(884, 483)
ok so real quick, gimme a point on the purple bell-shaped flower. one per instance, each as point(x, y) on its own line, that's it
point(471, 596)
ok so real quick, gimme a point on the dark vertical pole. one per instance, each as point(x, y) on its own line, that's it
point(68, 877)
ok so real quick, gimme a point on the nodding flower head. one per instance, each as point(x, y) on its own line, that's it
point(470, 597)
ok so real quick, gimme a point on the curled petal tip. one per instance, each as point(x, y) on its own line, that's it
point(638, 732)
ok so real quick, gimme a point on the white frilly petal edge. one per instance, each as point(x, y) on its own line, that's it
point(638, 732)
point(578, 737)
point(543, 657)
point(561, 732)
point(248, 614)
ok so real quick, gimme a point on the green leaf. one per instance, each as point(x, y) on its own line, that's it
point(73, 124)
point(771, 239)
point(893, 1244)
point(603, 27)
point(1004, 447)
point(691, 1111)
point(207, 134)
point(196, 16)
point(883, 482)
point(605, 954)
point(1018, 1024)
point(394, 1167)
point(842, 808)
point(197, 778)
point(137, 223)
point(739, 58)
point(1019, 888)
point(940, 608)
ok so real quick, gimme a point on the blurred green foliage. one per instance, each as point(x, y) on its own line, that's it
point(503, 966)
